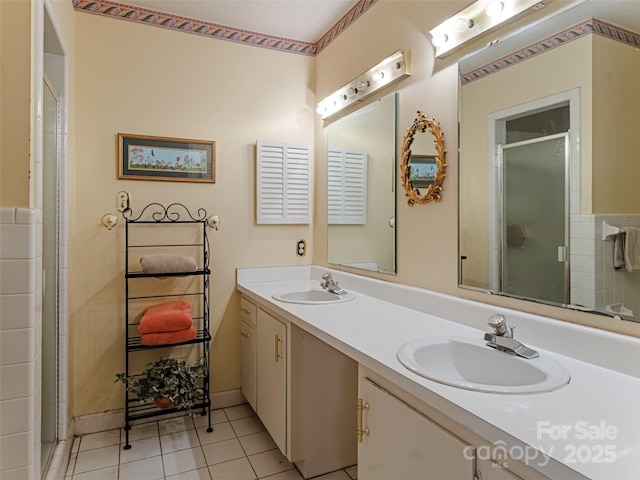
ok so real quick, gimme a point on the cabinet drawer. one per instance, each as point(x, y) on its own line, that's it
point(248, 312)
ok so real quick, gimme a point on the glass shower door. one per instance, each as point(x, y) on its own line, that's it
point(49, 409)
point(534, 226)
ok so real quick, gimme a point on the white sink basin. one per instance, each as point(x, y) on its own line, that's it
point(467, 362)
point(312, 297)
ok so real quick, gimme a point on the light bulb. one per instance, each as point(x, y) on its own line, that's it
point(377, 76)
point(494, 9)
point(462, 24)
point(351, 92)
point(320, 109)
point(440, 39)
point(362, 84)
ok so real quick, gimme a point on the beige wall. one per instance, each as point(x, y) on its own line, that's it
point(385, 28)
point(15, 92)
point(616, 143)
point(139, 79)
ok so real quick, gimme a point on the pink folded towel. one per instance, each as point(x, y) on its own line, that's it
point(165, 263)
point(168, 338)
point(171, 316)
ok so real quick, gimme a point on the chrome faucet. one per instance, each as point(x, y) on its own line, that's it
point(330, 285)
point(502, 338)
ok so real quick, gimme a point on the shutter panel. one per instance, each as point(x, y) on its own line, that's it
point(347, 186)
point(283, 186)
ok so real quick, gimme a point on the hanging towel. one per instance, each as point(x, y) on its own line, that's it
point(618, 250)
point(168, 338)
point(169, 316)
point(632, 248)
point(165, 263)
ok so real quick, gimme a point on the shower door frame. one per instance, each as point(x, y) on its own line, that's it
point(55, 179)
point(496, 138)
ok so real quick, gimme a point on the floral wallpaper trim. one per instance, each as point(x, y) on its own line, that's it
point(341, 25)
point(221, 32)
point(586, 27)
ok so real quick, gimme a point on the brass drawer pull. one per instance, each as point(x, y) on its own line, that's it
point(362, 431)
point(244, 311)
point(278, 341)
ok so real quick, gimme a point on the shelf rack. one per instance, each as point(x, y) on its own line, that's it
point(161, 216)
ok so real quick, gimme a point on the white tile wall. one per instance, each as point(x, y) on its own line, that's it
point(20, 326)
point(594, 281)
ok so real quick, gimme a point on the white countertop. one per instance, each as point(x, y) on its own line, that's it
point(598, 411)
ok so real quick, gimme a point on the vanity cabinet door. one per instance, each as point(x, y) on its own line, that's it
point(399, 442)
point(272, 377)
point(248, 352)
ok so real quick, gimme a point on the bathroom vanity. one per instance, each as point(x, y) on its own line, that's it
point(326, 382)
point(303, 390)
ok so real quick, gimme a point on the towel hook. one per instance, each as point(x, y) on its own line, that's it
point(213, 221)
point(109, 220)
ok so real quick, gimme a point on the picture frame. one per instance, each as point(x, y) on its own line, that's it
point(422, 170)
point(144, 157)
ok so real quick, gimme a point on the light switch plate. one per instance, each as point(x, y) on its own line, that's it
point(123, 201)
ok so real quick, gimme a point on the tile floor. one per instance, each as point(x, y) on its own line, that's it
point(239, 448)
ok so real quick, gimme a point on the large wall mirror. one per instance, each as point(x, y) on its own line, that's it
point(550, 160)
point(361, 188)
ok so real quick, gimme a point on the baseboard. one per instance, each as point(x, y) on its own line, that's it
point(99, 422)
point(230, 398)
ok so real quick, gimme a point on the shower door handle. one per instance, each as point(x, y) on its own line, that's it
point(562, 253)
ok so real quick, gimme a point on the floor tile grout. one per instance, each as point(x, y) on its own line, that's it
point(160, 431)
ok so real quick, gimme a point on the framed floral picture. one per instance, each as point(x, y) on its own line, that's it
point(142, 157)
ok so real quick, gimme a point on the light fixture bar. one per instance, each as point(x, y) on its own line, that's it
point(476, 19)
point(390, 70)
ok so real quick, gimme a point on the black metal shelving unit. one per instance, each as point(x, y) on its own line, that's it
point(151, 216)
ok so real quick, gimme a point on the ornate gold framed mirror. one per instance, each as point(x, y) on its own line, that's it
point(423, 164)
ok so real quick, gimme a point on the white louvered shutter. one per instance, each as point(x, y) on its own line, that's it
point(347, 186)
point(283, 186)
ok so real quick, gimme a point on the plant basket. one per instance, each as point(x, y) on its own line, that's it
point(165, 403)
point(168, 383)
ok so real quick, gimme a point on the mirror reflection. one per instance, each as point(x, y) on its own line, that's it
point(423, 164)
point(546, 166)
point(361, 188)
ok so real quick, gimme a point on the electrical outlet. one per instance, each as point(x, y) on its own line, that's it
point(123, 201)
point(301, 248)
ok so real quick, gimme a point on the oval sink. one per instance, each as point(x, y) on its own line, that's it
point(312, 297)
point(467, 362)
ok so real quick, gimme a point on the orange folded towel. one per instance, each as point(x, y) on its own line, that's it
point(170, 316)
point(168, 305)
point(168, 338)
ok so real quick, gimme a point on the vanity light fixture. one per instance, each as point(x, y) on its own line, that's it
point(390, 70)
point(476, 19)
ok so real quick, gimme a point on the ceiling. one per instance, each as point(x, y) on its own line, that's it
point(303, 20)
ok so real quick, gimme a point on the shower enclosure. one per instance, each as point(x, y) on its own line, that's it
point(531, 233)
